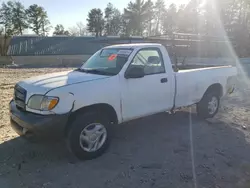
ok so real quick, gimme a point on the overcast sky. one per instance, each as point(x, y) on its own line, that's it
point(68, 12)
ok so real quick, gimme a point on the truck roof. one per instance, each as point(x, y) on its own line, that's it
point(135, 45)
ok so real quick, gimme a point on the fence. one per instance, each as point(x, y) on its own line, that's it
point(65, 51)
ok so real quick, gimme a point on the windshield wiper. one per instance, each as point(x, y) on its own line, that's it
point(95, 71)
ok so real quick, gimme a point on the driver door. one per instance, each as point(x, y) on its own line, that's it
point(150, 94)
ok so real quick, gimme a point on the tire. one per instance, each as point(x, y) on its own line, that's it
point(203, 109)
point(80, 127)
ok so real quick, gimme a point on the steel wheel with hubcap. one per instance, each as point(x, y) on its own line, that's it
point(89, 136)
point(213, 105)
point(93, 137)
point(208, 107)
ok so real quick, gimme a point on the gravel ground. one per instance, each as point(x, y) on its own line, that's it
point(159, 151)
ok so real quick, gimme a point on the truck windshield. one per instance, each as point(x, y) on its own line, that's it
point(107, 61)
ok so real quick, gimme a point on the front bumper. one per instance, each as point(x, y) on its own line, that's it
point(25, 123)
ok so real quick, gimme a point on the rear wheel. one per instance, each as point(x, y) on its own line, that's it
point(208, 107)
point(89, 136)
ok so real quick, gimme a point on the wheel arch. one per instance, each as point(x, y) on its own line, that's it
point(100, 109)
point(217, 88)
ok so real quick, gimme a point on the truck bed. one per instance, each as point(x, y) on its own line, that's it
point(192, 83)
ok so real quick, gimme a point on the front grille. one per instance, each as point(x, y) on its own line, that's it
point(20, 97)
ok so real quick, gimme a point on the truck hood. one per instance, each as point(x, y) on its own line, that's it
point(43, 84)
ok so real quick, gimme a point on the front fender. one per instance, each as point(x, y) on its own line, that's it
point(65, 104)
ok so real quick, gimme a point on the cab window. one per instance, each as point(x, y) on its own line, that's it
point(150, 60)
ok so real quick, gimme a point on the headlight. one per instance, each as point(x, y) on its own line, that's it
point(44, 103)
point(49, 103)
point(35, 102)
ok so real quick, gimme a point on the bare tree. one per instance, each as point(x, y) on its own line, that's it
point(78, 30)
point(82, 29)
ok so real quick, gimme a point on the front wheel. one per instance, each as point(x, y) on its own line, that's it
point(208, 107)
point(89, 136)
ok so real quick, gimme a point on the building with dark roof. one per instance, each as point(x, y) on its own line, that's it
point(61, 45)
point(69, 50)
point(37, 51)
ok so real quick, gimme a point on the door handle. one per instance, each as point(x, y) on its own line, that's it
point(164, 80)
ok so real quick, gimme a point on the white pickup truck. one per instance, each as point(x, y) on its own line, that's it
point(117, 84)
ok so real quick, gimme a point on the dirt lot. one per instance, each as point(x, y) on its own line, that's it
point(159, 151)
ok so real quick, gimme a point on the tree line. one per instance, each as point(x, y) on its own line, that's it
point(145, 18)
point(228, 19)
point(140, 17)
point(15, 19)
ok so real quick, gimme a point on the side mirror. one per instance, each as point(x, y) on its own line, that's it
point(135, 72)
